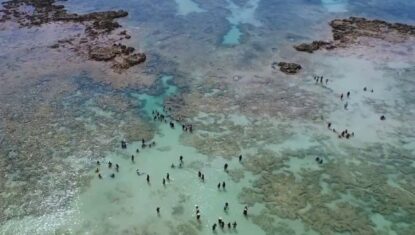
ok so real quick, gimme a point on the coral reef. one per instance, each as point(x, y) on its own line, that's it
point(313, 46)
point(98, 29)
point(364, 184)
point(45, 167)
point(289, 68)
point(350, 31)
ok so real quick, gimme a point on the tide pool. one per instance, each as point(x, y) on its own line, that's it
point(240, 15)
point(151, 102)
point(233, 36)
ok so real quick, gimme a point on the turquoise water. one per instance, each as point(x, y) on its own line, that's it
point(187, 6)
point(233, 36)
point(60, 114)
point(244, 14)
point(155, 102)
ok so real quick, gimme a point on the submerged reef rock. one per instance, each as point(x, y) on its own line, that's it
point(306, 195)
point(289, 68)
point(129, 61)
point(65, 130)
point(347, 32)
point(98, 28)
point(314, 46)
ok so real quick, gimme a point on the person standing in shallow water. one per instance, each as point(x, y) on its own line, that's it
point(214, 227)
point(148, 178)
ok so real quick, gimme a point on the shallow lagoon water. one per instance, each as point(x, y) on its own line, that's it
point(239, 15)
point(233, 36)
point(335, 5)
point(364, 186)
point(187, 6)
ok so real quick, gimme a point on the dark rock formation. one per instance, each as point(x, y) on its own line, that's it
point(45, 11)
point(96, 24)
point(129, 61)
point(134, 59)
point(289, 68)
point(102, 53)
point(314, 46)
point(347, 32)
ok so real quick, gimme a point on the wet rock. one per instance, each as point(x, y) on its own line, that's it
point(102, 54)
point(54, 46)
point(136, 58)
point(348, 31)
point(289, 68)
point(83, 40)
point(314, 46)
point(129, 61)
point(96, 24)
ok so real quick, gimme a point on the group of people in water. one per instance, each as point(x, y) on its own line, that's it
point(221, 223)
point(220, 185)
point(187, 128)
point(319, 79)
point(345, 133)
point(163, 118)
point(112, 175)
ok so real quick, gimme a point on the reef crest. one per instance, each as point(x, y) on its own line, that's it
point(350, 31)
point(98, 29)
